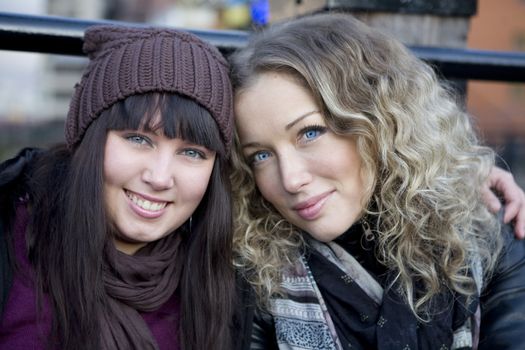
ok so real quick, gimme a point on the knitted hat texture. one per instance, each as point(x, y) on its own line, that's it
point(126, 61)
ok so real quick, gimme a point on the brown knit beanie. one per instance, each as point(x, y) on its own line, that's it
point(126, 61)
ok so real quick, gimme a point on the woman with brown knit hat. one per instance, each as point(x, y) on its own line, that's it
point(121, 238)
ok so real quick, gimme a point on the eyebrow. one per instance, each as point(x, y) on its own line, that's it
point(286, 127)
point(292, 123)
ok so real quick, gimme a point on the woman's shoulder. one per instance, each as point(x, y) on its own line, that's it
point(12, 169)
point(20, 325)
point(510, 268)
point(13, 173)
point(18, 307)
point(503, 298)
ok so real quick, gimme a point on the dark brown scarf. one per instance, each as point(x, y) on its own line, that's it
point(138, 283)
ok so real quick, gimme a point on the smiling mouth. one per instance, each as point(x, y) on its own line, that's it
point(145, 203)
point(311, 209)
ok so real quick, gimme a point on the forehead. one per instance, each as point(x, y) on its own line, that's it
point(274, 84)
point(273, 99)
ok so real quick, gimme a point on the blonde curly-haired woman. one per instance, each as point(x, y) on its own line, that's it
point(360, 219)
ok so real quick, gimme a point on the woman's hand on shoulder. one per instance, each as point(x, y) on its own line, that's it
point(502, 183)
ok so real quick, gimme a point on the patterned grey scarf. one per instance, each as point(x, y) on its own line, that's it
point(301, 317)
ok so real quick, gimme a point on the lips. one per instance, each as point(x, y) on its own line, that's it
point(146, 206)
point(311, 208)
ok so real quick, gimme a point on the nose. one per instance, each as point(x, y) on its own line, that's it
point(158, 172)
point(294, 172)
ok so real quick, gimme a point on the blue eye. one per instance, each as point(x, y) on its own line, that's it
point(311, 132)
point(193, 153)
point(260, 156)
point(138, 139)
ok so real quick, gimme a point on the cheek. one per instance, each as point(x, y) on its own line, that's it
point(350, 174)
point(118, 171)
point(116, 161)
point(268, 185)
point(111, 172)
point(195, 184)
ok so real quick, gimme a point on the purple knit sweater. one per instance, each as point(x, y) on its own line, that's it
point(21, 329)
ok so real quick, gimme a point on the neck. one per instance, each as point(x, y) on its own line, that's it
point(129, 248)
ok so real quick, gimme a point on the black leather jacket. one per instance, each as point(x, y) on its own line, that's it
point(503, 299)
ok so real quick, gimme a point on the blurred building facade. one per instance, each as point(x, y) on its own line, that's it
point(500, 107)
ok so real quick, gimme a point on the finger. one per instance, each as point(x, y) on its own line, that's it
point(519, 233)
point(490, 199)
point(511, 210)
point(519, 225)
point(515, 205)
point(513, 196)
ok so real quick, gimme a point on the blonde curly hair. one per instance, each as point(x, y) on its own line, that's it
point(418, 148)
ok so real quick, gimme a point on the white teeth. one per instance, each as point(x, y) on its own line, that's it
point(145, 204)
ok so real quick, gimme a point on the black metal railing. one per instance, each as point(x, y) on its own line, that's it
point(60, 35)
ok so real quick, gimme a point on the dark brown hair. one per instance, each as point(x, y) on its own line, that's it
point(69, 228)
